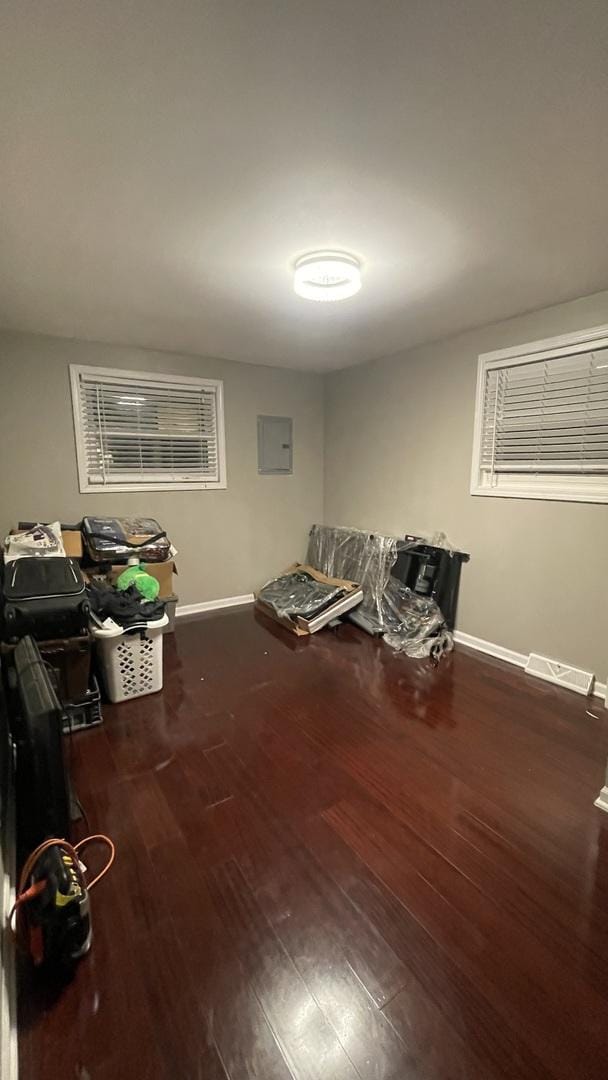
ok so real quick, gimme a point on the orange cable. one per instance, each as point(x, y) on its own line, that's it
point(104, 840)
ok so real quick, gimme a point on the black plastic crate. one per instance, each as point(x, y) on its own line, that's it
point(85, 713)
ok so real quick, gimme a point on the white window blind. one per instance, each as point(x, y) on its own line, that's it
point(139, 431)
point(542, 424)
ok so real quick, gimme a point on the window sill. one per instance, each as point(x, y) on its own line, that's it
point(557, 491)
point(101, 489)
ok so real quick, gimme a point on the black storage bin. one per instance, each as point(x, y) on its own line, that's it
point(85, 713)
point(44, 597)
point(433, 572)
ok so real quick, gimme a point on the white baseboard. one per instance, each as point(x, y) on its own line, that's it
point(510, 656)
point(214, 605)
point(602, 799)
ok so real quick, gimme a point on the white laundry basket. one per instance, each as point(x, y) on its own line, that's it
point(131, 661)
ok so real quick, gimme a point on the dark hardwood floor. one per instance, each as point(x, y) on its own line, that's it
point(334, 863)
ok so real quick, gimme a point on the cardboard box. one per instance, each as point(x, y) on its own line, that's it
point(162, 571)
point(72, 542)
point(304, 627)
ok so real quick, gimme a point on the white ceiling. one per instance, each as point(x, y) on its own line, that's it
point(163, 162)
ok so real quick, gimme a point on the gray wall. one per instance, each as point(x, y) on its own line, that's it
point(398, 455)
point(229, 541)
point(399, 438)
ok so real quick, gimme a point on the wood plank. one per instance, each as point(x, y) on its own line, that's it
point(481, 941)
point(296, 892)
point(309, 1044)
point(341, 957)
point(436, 982)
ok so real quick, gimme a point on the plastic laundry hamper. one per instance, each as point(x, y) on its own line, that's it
point(131, 660)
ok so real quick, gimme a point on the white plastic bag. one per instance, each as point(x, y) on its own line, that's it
point(39, 541)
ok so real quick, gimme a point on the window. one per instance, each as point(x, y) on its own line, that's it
point(541, 423)
point(137, 431)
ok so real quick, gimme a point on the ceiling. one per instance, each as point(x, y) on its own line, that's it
point(164, 162)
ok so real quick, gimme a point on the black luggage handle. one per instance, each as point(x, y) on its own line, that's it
point(126, 543)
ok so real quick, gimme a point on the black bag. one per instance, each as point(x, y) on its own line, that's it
point(44, 597)
point(117, 539)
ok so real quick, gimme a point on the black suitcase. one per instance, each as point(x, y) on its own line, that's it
point(44, 597)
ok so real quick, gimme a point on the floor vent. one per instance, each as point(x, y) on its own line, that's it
point(561, 674)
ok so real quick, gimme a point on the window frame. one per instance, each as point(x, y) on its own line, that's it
point(560, 486)
point(124, 377)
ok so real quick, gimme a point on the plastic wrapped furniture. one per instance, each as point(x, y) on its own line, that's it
point(357, 556)
point(298, 593)
point(409, 620)
point(432, 570)
point(418, 626)
point(305, 600)
point(131, 661)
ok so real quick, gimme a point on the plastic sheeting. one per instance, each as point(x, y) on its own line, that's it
point(299, 594)
point(110, 539)
point(39, 541)
point(415, 624)
point(409, 623)
point(356, 556)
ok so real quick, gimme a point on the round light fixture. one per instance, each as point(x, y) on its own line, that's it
point(327, 275)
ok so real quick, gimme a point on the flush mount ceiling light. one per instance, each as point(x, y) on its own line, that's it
point(327, 275)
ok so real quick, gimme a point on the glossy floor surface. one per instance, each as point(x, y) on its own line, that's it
point(337, 863)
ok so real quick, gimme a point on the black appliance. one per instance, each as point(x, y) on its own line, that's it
point(432, 572)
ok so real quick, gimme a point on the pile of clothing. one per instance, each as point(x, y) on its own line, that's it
point(126, 607)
